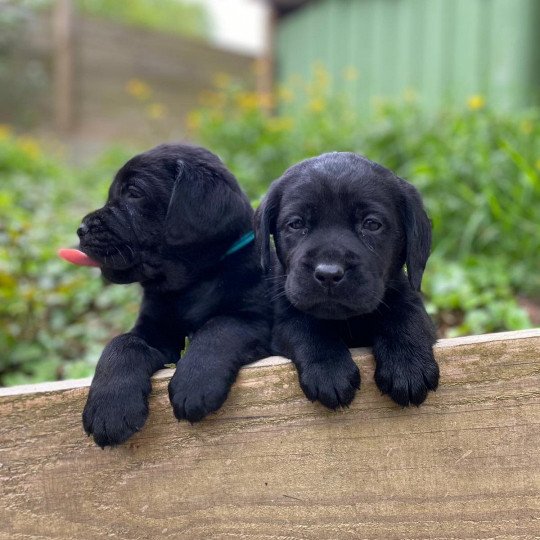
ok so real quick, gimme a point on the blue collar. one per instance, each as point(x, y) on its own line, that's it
point(240, 243)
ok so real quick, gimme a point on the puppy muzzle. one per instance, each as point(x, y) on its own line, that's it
point(103, 238)
point(330, 290)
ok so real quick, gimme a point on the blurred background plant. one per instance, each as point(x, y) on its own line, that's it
point(54, 318)
point(482, 194)
point(478, 171)
point(172, 16)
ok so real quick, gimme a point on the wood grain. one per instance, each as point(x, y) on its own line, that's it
point(271, 465)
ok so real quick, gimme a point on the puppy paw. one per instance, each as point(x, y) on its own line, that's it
point(333, 383)
point(113, 413)
point(407, 380)
point(195, 392)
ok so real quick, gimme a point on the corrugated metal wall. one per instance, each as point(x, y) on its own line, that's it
point(443, 50)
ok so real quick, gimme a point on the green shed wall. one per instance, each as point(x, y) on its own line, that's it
point(443, 50)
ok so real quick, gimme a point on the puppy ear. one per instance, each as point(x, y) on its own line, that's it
point(418, 233)
point(205, 207)
point(265, 223)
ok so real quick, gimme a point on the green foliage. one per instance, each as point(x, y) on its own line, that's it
point(171, 16)
point(478, 171)
point(54, 318)
point(474, 296)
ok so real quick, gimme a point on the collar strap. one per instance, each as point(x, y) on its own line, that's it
point(240, 243)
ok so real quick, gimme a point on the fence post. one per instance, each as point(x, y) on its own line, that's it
point(265, 67)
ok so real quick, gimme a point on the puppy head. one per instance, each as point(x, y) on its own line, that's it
point(343, 226)
point(172, 207)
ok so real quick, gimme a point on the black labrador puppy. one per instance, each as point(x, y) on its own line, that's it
point(177, 222)
point(343, 228)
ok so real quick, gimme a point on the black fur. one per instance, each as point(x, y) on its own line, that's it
point(343, 228)
point(171, 215)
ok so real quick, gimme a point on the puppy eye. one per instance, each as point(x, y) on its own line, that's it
point(371, 225)
point(296, 224)
point(134, 192)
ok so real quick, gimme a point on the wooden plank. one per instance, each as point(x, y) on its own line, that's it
point(271, 465)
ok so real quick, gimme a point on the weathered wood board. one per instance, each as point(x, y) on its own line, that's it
point(271, 465)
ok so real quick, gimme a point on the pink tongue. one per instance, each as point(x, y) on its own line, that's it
point(74, 256)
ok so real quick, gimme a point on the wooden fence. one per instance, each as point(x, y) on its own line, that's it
point(69, 75)
point(271, 465)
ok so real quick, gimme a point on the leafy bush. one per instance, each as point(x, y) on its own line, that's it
point(478, 171)
point(54, 318)
point(471, 297)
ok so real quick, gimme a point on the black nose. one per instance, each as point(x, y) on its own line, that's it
point(329, 274)
point(82, 230)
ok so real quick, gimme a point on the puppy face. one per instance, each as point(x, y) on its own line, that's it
point(343, 226)
point(166, 207)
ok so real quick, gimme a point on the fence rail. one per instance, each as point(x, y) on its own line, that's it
point(272, 465)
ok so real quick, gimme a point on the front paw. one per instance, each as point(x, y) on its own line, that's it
point(195, 392)
point(115, 411)
point(407, 377)
point(330, 381)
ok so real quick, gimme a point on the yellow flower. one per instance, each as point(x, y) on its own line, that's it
point(138, 89)
point(476, 102)
point(247, 100)
point(350, 73)
point(156, 111)
point(5, 132)
point(527, 127)
point(222, 80)
point(285, 94)
point(193, 121)
point(316, 105)
point(30, 147)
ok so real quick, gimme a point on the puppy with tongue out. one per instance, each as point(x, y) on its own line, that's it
point(177, 222)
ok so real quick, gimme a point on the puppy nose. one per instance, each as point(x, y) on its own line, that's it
point(329, 274)
point(82, 230)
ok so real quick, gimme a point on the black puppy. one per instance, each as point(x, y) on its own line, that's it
point(343, 228)
point(177, 222)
